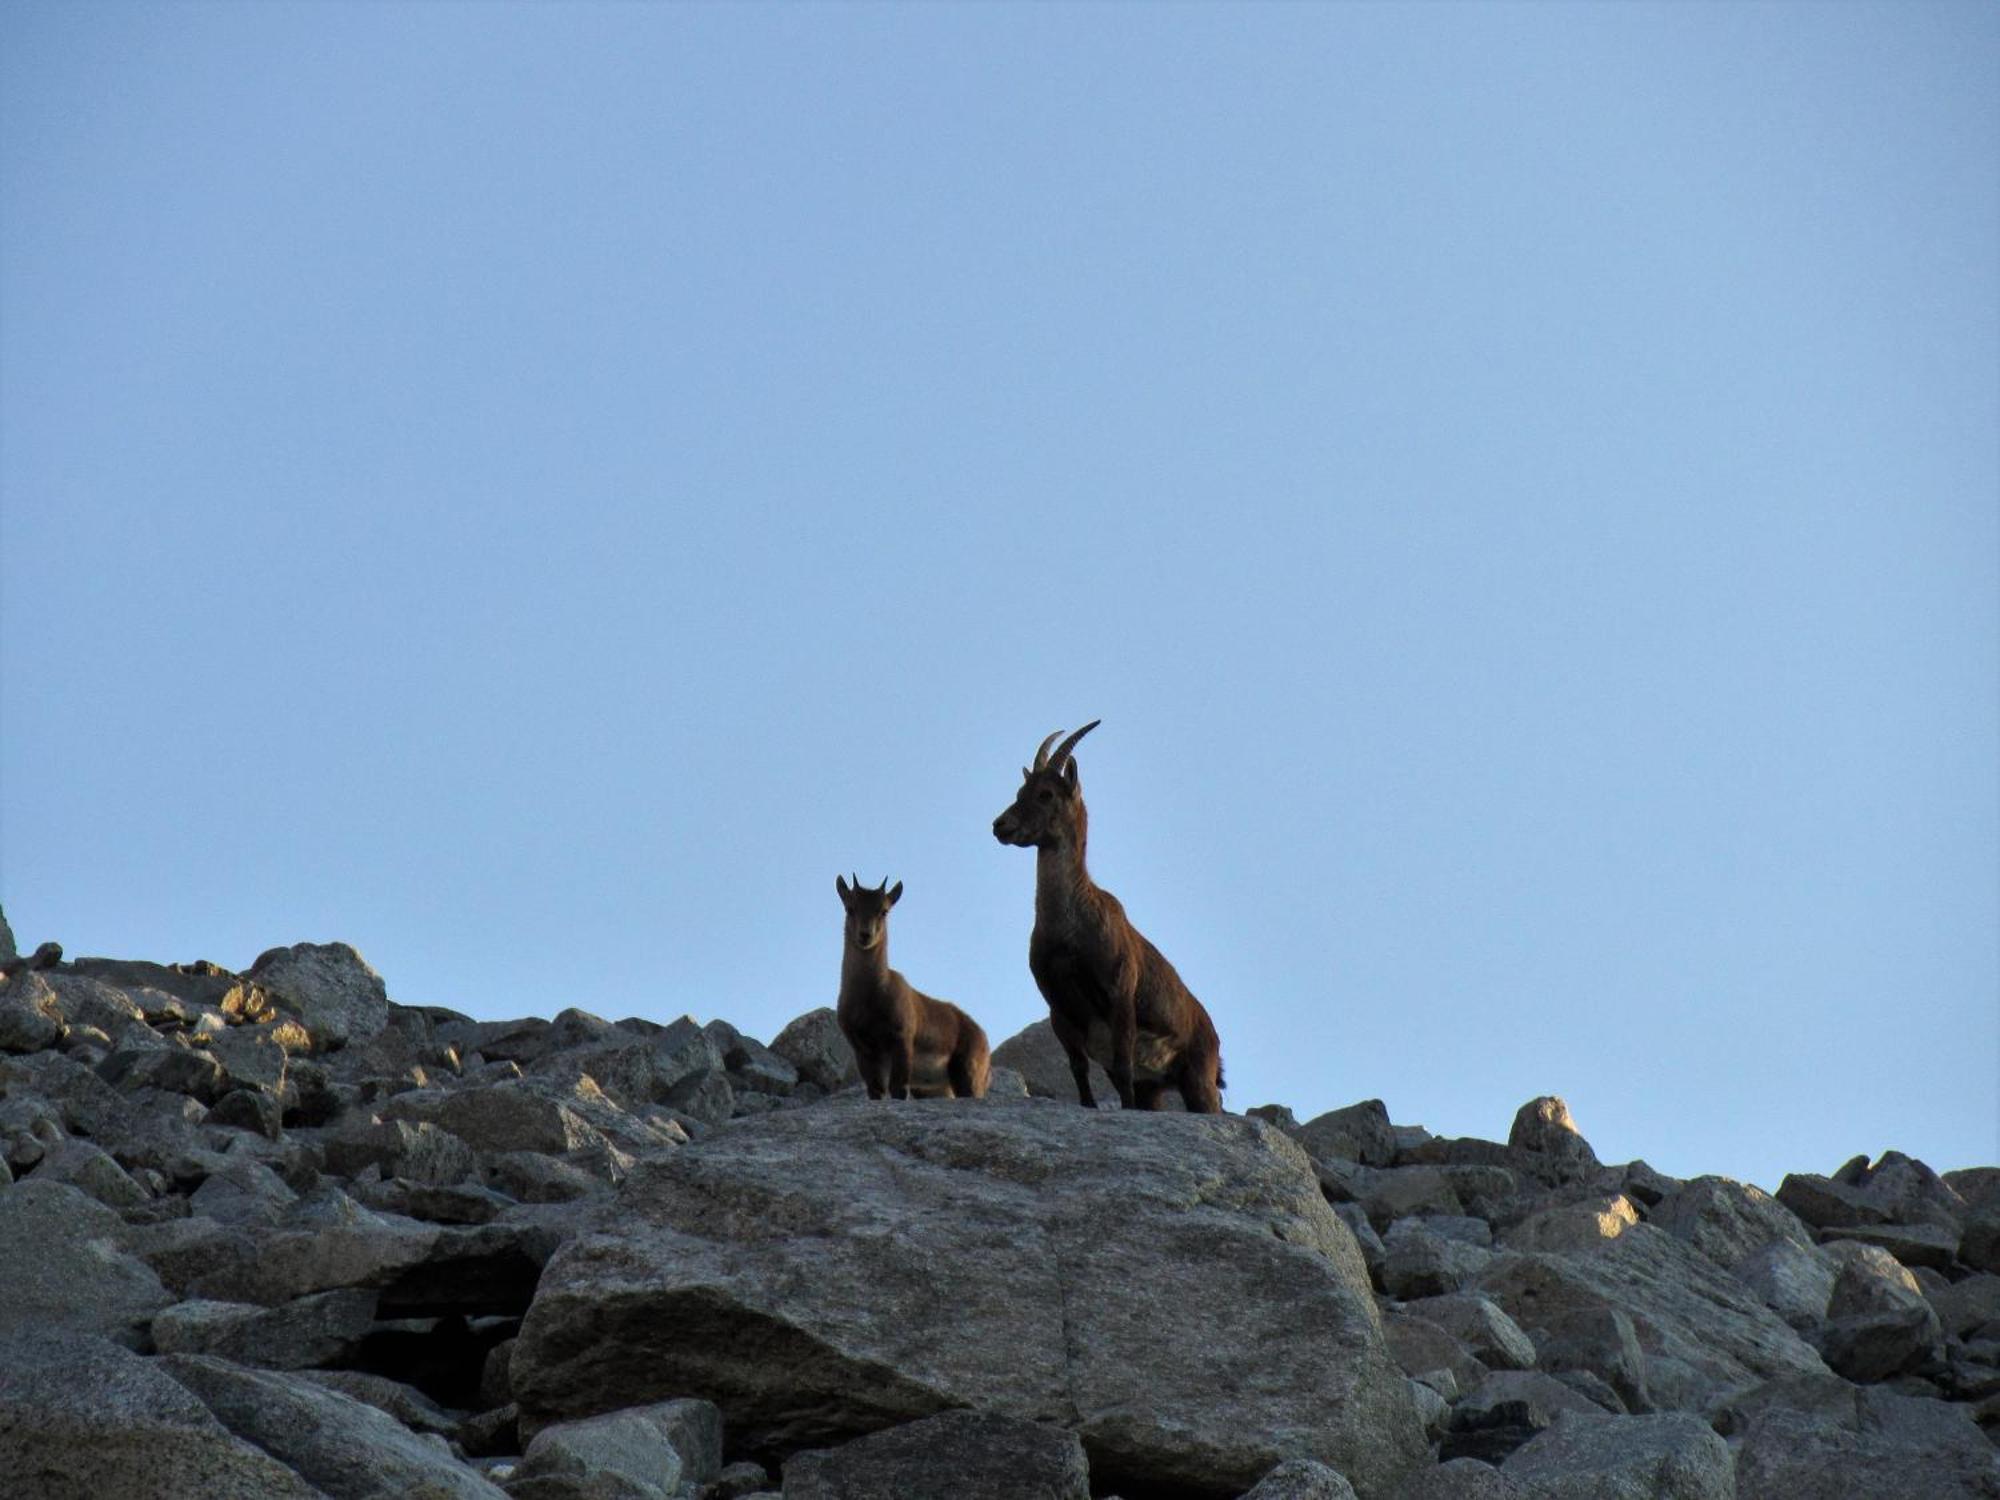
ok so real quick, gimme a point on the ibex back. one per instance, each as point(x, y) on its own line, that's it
point(904, 1041)
point(1112, 995)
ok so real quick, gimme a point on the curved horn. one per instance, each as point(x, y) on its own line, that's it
point(1042, 755)
point(1063, 750)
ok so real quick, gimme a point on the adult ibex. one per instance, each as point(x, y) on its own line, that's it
point(1111, 994)
point(902, 1039)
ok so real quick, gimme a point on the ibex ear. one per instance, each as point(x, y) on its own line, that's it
point(840, 885)
point(1074, 782)
point(896, 894)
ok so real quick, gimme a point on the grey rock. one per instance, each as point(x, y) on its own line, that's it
point(257, 1057)
point(1728, 1221)
point(1418, 1263)
point(316, 1330)
point(1875, 1346)
point(1822, 1201)
point(968, 1455)
point(1421, 1348)
point(1979, 1246)
point(83, 1166)
point(323, 1435)
point(1302, 1479)
point(1965, 1305)
point(1807, 1438)
point(1506, 1410)
point(1909, 1192)
point(737, 1481)
point(1359, 1132)
point(8, 952)
point(755, 1068)
point(1930, 1245)
point(706, 1097)
point(405, 1403)
point(1701, 1329)
point(1573, 1228)
point(1496, 1340)
point(842, 1269)
point(1393, 1193)
point(1033, 1052)
point(1597, 1341)
point(65, 1270)
point(420, 1270)
point(1373, 1251)
point(83, 1419)
point(1457, 1479)
point(534, 1178)
point(173, 1069)
point(1544, 1128)
point(454, 1203)
point(415, 1151)
point(519, 1116)
point(1673, 1456)
point(243, 1191)
point(328, 987)
point(249, 1109)
point(1794, 1281)
point(1868, 1279)
point(641, 1453)
point(31, 1017)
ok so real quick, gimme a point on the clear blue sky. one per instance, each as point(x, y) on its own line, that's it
point(534, 491)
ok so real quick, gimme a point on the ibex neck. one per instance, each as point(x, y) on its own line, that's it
point(1062, 884)
point(864, 970)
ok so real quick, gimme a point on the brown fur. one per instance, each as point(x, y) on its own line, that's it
point(904, 1041)
point(1112, 996)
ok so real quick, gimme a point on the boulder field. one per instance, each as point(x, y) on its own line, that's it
point(271, 1234)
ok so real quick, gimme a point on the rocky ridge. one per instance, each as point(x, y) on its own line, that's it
point(272, 1234)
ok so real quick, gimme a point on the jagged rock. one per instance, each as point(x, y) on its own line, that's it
point(65, 1270)
point(1870, 1280)
point(329, 987)
point(753, 1067)
point(83, 1166)
point(641, 1453)
point(85, 1003)
point(243, 1191)
point(405, 1403)
point(1544, 1128)
point(737, 1481)
point(1876, 1346)
point(1820, 1438)
point(416, 1152)
point(1598, 1341)
point(420, 1270)
point(249, 1109)
point(82, 1417)
point(1393, 1193)
point(1700, 1327)
point(836, 1271)
point(1822, 1202)
point(1373, 1251)
point(1302, 1479)
point(256, 1057)
point(504, 1117)
point(1979, 1246)
point(1673, 1456)
point(1794, 1281)
point(1573, 1228)
point(31, 1017)
point(1963, 1306)
point(1433, 1410)
point(1458, 1479)
point(1478, 1322)
point(322, 1435)
point(8, 953)
point(317, 1330)
point(1421, 1348)
point(455, 1203)
point(1909, 1192)
point(1727, 1221)
point(534, 1178)
point(968, 1455)
point(1360, 1132)
point(813, 1044)
point(1419, 1263)
point(1930, 1245)
point(1505, 1410)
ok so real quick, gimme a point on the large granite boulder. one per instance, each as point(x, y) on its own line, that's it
point(329, 987)
point(64, 1267)
point(1173, 1290)
point(82, 1418)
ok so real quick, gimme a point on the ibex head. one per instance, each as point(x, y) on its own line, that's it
point(1050, 803)
point(867, 910)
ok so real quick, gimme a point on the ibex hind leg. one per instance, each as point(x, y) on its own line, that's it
point(1148, 1093)
point(1200, 1085)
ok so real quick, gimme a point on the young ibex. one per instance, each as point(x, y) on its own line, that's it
point(903, 1040)
point(1111, 994)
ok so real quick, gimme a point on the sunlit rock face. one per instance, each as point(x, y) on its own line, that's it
point(273, 1234)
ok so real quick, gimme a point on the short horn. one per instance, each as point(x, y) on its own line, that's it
point(1042, 755)
point(1063, 750)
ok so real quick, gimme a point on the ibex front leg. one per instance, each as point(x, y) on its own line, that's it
point(1124, 1050)
point(899, 1070)
point(1079, 1060)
